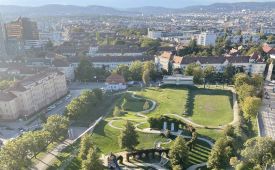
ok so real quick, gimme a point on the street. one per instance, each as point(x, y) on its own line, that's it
point(10, 129)
point(266, 118)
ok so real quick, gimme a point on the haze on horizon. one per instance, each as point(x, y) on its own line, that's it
point(122, 3)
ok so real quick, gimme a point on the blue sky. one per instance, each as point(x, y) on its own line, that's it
point(119, 3)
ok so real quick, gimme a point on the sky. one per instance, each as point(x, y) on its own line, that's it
point(120, 3)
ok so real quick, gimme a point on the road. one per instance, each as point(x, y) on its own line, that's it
point(9, 129)
point(266, 117)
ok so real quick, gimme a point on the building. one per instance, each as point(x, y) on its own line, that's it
point(3, 52)
point(32, 94)
point(178, 79)
point(22, 29)
point(65, 67)
point(115, 82)
point(250, 64)
point(269, 49)
point(154, 34)
point(111, 62)
point(207, 39)
point(116, 50)
point(20, 33)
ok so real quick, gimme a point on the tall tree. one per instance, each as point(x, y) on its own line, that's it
point(84, 71)
point(85, 145)
point(251, 106)
point(179, 152)
point(146, 77)
point(92, 162)
point(124, 71)
point(260, 151)
point(245, 90)
point(240, 79)
point(229, 72)
point(129, 137)
point(136, 69)
point(57, 126)
point(220, 154)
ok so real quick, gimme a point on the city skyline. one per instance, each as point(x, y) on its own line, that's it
point(123, 3)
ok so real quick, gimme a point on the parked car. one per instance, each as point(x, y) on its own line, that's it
point(59, 102)
point(68, 97)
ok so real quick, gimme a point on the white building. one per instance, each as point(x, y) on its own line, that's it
point(55, 37)
point(250, 64)
point(154, 34)
point(207, 38)
point(115, 82)
point(32, 94)
point(118, 50)
point(178, 79)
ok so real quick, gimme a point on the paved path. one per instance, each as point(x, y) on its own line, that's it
point(46, 161)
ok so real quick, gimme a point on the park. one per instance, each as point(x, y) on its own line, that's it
point(207, 110)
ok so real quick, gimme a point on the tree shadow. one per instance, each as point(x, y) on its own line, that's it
point(194, 91)
point(99, 130)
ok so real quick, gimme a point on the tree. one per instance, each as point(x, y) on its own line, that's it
point(117, 111)
point(271, 38)
point(4, 84)
point(136, 70)
point(74, 108)
point(146, 105)
point(85, 145)
point(92, 162)
point(146, 77)
point(179, 152)
point(129, 137)
point(151, 67)
point(57, 126)
point(259, 151)
point(220, 154)
point(198, 75)
point(240, 79)
point(84, 71)
point(149, 43)
point(209, 73)
point(246, 90)
point(189, 70)
point(251, 106)
point(229, 72)
point(258, 81)
point(98, 93)
point(124, 71)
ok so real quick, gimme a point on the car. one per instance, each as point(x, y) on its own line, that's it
point(68, 97)
point(59, 102)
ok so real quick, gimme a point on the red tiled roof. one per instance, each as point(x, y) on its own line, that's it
point(115, 79)
point(266, 48)
point(168, 55)
point(177, 59)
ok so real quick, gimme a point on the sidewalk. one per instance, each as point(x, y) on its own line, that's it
point(50, 157)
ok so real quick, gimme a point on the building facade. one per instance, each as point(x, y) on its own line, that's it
point(32, 94)
point(207, 39)
point(250, 64)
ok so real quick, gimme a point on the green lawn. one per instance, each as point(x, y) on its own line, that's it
point(131, 104)
point(211, 107)
point(169, 100)
point(106, 138)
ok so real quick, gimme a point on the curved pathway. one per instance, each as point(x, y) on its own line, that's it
point(148, 130)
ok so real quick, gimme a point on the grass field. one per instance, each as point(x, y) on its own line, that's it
point(211, 107)
point(169, 100)
point(106, 138)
